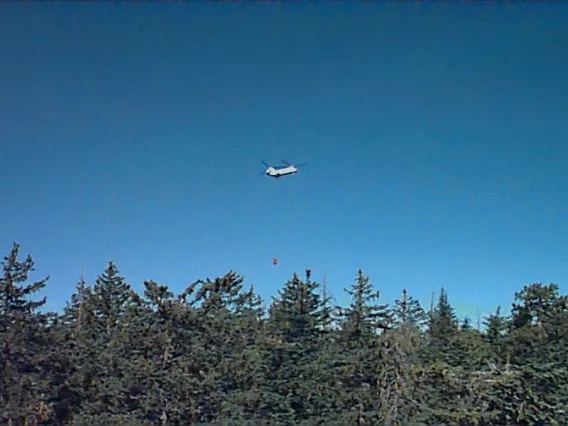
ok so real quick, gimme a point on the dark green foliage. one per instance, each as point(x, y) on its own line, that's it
point(408, 311)
point(443, 322)
point(295, 352)
point(496, 327)
point(466, 325)
point(298, 314)
point(24, 344)
point(364, 317)
point(532, 303)
point(98, 335)
point(210, 355)
point(495, 334)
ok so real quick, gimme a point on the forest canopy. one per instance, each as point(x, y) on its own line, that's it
point(214, 354)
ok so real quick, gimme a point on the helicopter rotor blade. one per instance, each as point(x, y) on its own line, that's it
point(301, 164)
point(285, 162)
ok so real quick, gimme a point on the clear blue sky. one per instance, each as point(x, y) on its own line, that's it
point(436, 136)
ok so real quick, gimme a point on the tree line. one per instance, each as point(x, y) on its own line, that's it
point(215, 354)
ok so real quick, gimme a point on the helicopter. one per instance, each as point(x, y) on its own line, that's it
point(278, 172)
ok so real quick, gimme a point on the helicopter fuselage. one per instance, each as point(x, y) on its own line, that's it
point(279, 172)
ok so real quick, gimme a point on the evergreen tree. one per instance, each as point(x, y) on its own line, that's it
point(110, 297)
point(71, 338)
point(157, 297)
point(296, 324)
point(538, 346)
point(24, 344)
point(359, 359)
point(229, 324)
point(209, 356)
point(364, 317)
point(532, 302)
point(74, 310)
point(466, 325)
point(101, 338)
point(172, 359)
point(496, 326)
point(528, 337)
point(298, 314)
point(408, 311)
point(468, 350)
point(328, 309)
point(443, 330)
point(443, 322)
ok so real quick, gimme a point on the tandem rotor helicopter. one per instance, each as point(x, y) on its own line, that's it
point(277, 172)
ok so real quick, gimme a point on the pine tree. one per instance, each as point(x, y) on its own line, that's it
point(15, 304)
point(227, 321)
point(359, 359)
point(328, 309)
point(443, 322)
point(209, 356)
point(364, 317)
point(408, 311)
point(298, 313)
point(527, 336)
point(294, 352)
point(170, 357)
point(532, 302)
point(157, 296)
point(24, 343)
point(70, 345)
point(466, 325)
point(110, 297)
point(74, 310)
point(496, 326)
point(101, 345)
point(538, 348)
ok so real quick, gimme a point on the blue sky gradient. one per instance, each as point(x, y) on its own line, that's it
point(436, 137)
